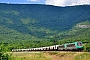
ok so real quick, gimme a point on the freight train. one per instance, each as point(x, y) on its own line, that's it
point(75, 46)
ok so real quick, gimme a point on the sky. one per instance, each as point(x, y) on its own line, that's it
point(49, 2)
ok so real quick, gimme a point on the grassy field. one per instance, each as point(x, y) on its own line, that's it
point(50, 55)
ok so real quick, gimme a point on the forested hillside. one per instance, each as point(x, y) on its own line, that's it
point(29, 25)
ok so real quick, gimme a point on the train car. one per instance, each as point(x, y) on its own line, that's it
point(65, 47)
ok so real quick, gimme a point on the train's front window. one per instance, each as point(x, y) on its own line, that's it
point(79, 43)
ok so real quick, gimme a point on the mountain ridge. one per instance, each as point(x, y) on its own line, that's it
point(41, 20)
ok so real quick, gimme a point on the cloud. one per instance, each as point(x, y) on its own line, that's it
point(34, 0)
point(66, 2)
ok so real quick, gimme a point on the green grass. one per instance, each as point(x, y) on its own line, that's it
point(35, 56)
point(84, 56)
point(56, 55)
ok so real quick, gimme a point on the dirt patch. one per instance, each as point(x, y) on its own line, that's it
point(62, 55)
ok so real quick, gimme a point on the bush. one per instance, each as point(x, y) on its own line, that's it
point(4, 56)
point(88, 49)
